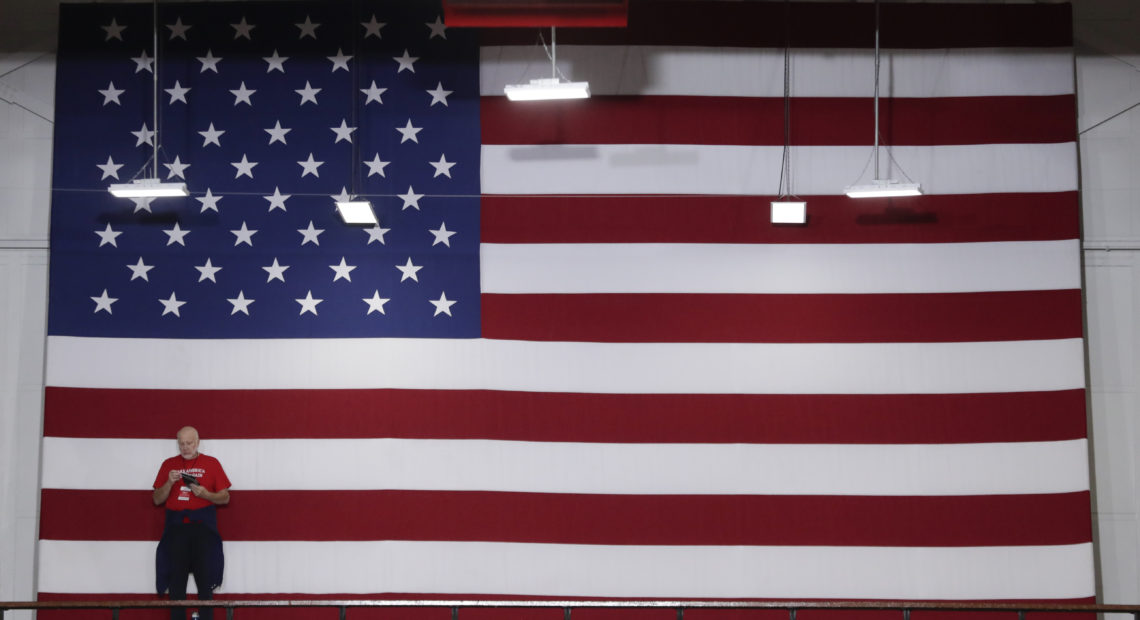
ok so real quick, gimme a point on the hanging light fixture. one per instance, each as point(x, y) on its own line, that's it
point(352, 210)
point(786, 209)
point(880, 187)
point(548, 88)
point(150, 187)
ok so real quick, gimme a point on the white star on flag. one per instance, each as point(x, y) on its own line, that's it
point(375, 303)
point(242, 95)
point(310, 234)
point(103, 302)
point(442, 166)
point(207, 271)
point(277, 200)
point(111, 94)
point(442, 305)
point(244, 235)
point(243, 29)
point(143, 62)
point(310, 166)
point(211, 135)
point(110, 169)
point(140, 269)
point(176, 168)
point(144, 135)
point(376, 234)
point(442, 235)
point(344, 132)
point(343, 270)
point(177, 93)
point(411, 199)
point(178, 29)
point(408, 132)
point(276, 62)
point(406, 62)
point(240, 304)
point(372, 27)
point(209, 62)
point(243, 167)
point(437, 28)
point(107, 236)
point(115, 31)
point(308, 29)
point(376, 166)
point(209, 202)
point(171, 305)
point(176, 235)
point(372, 93)
point(308, 93)
point(408, 270)
point(277, 133)
point(308, 304)
point(276, 271)
point(142, 203)
point(439, 95)
point(340, 61)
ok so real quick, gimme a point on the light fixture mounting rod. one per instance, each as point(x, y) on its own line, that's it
point(553, 54)
point(877, 90)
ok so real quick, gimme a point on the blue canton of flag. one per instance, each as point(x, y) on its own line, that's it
point(268, 113)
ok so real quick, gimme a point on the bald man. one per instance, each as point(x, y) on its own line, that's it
point(191, 485)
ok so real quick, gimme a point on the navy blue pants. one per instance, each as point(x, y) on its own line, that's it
point(189, 553)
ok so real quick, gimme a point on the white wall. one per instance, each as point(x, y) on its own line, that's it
point(1108, 83)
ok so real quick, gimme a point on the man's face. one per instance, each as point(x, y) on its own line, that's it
point(188, 445)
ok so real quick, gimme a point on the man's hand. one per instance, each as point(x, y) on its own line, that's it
point(199, 490)
point(174, 476)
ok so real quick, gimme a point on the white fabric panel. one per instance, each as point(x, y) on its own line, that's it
point(602, 468)
point(780, 268)
point(655, 169)
point(941, 573)
point(759, 72)
point(765, 368)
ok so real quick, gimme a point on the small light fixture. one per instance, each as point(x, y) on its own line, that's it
point(357, 212)
point(884, 188)
point(546, 89)
point(789, 212)
point(880, 187)
point(147, 188)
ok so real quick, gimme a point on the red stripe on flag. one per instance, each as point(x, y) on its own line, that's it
point(745, 219)
point(990, 520)
point(945, 317)
point(745, 121)
point(535, 416)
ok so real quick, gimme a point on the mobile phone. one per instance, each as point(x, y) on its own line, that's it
point(188, 479)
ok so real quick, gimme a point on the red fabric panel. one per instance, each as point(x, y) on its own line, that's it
point(745, 219)
point(755, 121)
point(937, 521)
point(534, 416)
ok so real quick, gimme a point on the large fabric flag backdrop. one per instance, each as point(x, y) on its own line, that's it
point(574, 359)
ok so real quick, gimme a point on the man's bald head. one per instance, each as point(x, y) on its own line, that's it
point(188, 442)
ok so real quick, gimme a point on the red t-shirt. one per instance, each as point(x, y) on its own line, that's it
point(206, 469)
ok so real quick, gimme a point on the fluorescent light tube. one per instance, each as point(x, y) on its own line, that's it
point(147, 188)
point(356, 212)
point(787, 212)
point(882, 188)
point(547, 88)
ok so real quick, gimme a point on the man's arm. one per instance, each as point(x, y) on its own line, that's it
point(163, 492)
point(220, 498)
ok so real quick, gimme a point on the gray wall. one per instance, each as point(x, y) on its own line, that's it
point(1108, 83)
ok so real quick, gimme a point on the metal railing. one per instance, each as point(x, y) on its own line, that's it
point(568, 606)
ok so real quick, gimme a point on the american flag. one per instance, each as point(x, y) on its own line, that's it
point(574, 359)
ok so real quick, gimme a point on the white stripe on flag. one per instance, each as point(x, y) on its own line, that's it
point(552, 169)
point(945, 573)
point(756, 72)
point(674, 368)
point(780, 268)
point(602, 468)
